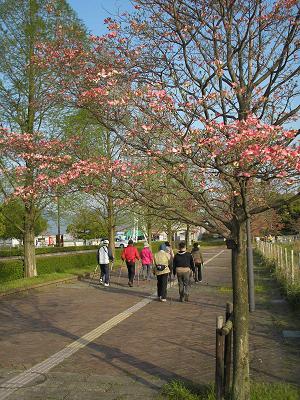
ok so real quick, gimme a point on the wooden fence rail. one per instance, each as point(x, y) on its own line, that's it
point(224, 353)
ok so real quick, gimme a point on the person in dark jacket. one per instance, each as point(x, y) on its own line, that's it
point(183, 263)
point(198, 260)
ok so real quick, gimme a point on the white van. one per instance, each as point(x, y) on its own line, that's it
point(120, 243)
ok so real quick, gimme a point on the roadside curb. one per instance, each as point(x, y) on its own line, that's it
point(38, 285)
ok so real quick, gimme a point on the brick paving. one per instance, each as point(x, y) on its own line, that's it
point(160, 342)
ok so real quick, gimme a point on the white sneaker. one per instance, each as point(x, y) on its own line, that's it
point(101, 280)
point(163, 300)
point(106, 284)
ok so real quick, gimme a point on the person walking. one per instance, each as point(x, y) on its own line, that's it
point(161, 270)
point(183, 264)
point(130, 255)
point(168, 249)
point(104, 256)
point(147, 260)
point(198, 260)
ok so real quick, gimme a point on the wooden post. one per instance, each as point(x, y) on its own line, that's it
point(292, 267)
point(286, 265)
point(227, 352)
point(219, 360)
point(281, 261)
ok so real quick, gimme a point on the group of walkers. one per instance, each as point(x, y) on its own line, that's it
point(162, 264)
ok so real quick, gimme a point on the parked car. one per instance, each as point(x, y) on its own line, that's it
point(120, 243)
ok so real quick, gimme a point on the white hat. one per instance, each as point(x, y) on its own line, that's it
point(146, 244)
point(105, 241)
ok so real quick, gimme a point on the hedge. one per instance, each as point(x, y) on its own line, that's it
point(44, 250)
point(13, 269)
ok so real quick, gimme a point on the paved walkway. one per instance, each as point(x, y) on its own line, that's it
point(100, 350)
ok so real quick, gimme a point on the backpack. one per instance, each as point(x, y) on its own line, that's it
point(196, 256)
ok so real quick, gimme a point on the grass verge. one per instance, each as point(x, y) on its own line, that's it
point(290, 292)
point(27, 283)
point(258, 289)
point(177, 390)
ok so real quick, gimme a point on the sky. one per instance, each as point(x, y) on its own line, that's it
point(93, 12)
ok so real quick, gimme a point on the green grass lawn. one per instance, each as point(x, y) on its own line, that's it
point(259, 391)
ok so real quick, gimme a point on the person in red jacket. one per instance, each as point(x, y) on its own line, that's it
point(130, 255)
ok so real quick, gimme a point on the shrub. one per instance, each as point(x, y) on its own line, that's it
point(13, 269)
point(48, 265)
point(10, 252)
point(46, 250)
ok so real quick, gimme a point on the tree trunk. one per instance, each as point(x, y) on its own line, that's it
point(241, 384)
point(187, 235)
point(58, 236)
point(149, 231)
point(111, 224)
point(29, 247)
point(170, 233)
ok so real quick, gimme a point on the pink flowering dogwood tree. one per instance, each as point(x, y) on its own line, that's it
point(32, 169)
point(31, 162)
point(201, 89)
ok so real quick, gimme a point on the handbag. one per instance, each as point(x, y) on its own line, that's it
point(161, 267)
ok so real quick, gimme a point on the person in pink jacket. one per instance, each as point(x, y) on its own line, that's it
point(147, 260)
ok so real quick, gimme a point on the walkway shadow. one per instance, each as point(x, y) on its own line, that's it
point(115, 357)
point(121, 289)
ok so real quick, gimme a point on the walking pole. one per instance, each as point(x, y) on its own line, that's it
point(120, 274)
point(171, 285)
point(138, 273)
point(94, 273)
point(171, 296)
